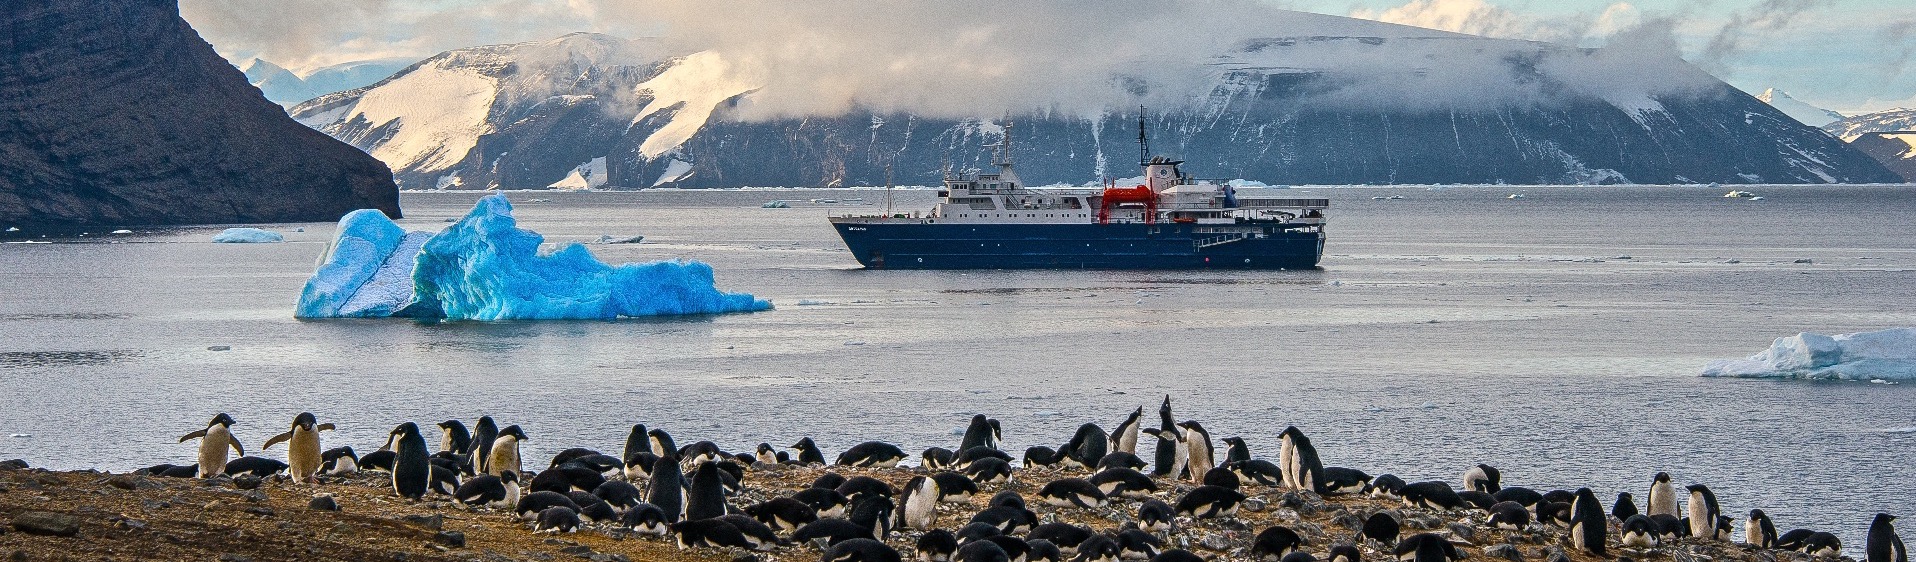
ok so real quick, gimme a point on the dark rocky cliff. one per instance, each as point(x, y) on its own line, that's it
point(117, 113)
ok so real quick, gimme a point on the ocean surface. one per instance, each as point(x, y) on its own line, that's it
point(1555, 336)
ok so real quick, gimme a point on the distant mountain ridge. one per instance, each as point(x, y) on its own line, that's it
point(587, 110)
point(1798, 109)
point(286, 88)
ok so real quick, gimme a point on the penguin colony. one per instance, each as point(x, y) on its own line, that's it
point(692, 496)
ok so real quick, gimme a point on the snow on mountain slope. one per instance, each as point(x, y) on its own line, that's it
point(1850, 128)
point(694, 85)
point(1797, 109)
point(286, 88)
point(432, 116)
point(281, 86)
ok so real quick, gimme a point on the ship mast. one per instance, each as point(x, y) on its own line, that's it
point(1144, 143)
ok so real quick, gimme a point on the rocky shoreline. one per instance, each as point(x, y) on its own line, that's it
point(89, 515)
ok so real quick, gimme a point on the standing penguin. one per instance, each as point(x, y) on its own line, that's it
point(1625, 507)
point(920, 503)
point(1086, 448)
point(454, 437)
point(1236, 451)
point(483, 434)
point(505, 451)
point(214, 441)
point(1662, 499)
point(1588, 525)
point(1483, 478)
point(666, 488)
point(1287, 454)
point(978, 434)
point(1202, 455)
point(1307, 471)
point(1125, 437)
point(662, 442)
point(1760, 532)
point(637, 442)
point(1170, 447)
point(412, 473)
point(808, 453)
point(1883, 545)
point(302, 450)
point(707, 497)
point(1703, 512)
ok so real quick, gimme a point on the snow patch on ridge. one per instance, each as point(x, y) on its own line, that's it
point(696, 85)
point(440, 114)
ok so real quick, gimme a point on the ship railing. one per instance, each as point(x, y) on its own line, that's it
point(1202, 243)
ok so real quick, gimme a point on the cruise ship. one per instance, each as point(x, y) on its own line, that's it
point(1171, 221)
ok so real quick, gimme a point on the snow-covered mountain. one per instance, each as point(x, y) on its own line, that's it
point(1798, 109)
point(1362, 103)
point(1902, 119)
point(286, 88)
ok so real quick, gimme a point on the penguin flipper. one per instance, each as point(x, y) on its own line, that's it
point(192, 436)
point(234, 441)
point(324, 427)
point(275, 440)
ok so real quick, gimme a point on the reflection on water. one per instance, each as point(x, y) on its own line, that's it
point(32, 359)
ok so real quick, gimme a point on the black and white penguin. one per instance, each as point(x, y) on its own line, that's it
point(757, 536)
point(452, 461)
point(1086, 448)
point(381, 460)
point(1134, 544)
point(1156, 516)
point(639, 440)
point(1221, 476)
point(498, 492)
point(666, 489)
point(1759, 531)
point(858, 487)
point(1670, 528)
point(989, 471)
point(1171, 449)
point(1483, 478)
point(454, 437)
point(937, 458)
point(1823, 545)
point(936, 545)
point(861, 550)
point(483, 433)
point(1433, 494)
point(1287, 454)
point(443, 480)
point(829, 480)
point(256, 466)
point(872, 455)
point(705, 499)
point(1124, 439)
point(1123, 482)
point(1509, 516)
point(784, 514)
point(1304, 471)
point(968, 456)
point(1043, 551)
point(1589, 527)
point(645, 519)
point(1121, 459)
point(919, 503)
point(808, 453)
point(1388, 486)
point(954, 487)
point(593, 509)
point(504, 453)
point(1554, 513)
point(1519, 494)
point(639, 465)
point(1299, 556)
point(1098, 548)
point(1236, 450)
point(302, 447)
point(557, 520)
point(1340, 480)
point(979, 433)
point(1066, 536)
point(1344, 553)
point(1703, 512)
point(1006, 519)
point(982, 550)
point(1640, 532)
point(1275, 543)
point(1006, 498)
point(1426, 547)
point(1209, 501)
point(1476, 500)
point(1625, 506)
point(875, 513)
point(662, 443)
point(569, 455)
point(1014, 547)
point(1258, 471)
point(825, 501)
point(1883, 545)
point(214, 441)
point(1381, 527)
point(412, 475)
point(712, 533)
point(531, 505)
point(1202, 455)
point(1068, 492)
point(339, 460)
point(1040, 456)
point(1662, 500)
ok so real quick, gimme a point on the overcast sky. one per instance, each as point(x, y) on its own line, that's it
point(1847, 55)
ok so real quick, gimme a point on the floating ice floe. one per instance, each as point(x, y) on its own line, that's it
point(1882, 355)
point(486, 268)
point(245, 235)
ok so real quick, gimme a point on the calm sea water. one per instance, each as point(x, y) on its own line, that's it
point(1555, 336)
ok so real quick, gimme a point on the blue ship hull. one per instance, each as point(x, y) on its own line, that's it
point(919, 245)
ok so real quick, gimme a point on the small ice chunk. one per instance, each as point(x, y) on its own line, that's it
point(121, 231)
point(610, 239)
point(247, 235)
point(21, 436)
point(854, 342)
point(1888, 355)
point(219, 348)
point(1428, 406)
point(811, 302)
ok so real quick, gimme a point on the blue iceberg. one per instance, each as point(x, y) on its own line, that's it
point(247, 236)
point(1881, 355)
point(486, 268)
